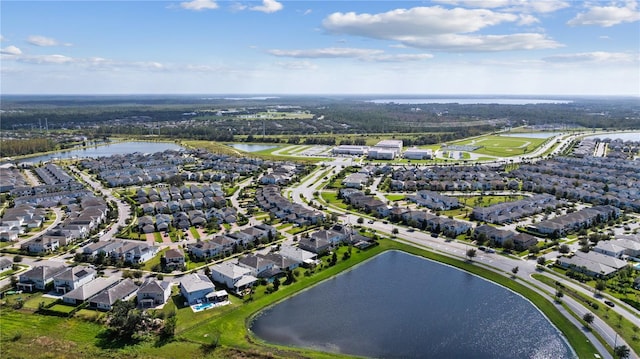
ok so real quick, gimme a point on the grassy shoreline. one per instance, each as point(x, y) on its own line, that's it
point(231, 325)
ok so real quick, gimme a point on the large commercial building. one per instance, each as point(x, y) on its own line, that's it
point(386, 150)
point(350, 150)
point(418, 154)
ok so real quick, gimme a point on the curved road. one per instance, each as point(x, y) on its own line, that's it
point(497, 262)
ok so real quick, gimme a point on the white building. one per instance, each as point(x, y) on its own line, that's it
point(350, 150)
point(418, 154)
point(394, 145)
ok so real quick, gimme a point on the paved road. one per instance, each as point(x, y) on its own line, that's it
point(124, 209)
point(497, 262)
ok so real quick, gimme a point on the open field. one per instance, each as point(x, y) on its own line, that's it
point(502, 146)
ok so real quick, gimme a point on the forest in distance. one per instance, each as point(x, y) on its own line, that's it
point(33, 124)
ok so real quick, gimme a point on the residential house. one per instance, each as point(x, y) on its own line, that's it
point(104, 300)
point(73, 278)
point(236, 278)
point(317, 246)
point(196, 287)
point(204, 249)
point(88, 290)
point(5, 264)
point(39, 278)
point(153, 293)
point(298, 254)
point(260, 267)
point(174, 258)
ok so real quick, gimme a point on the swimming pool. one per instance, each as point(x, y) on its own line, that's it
point(202, 306)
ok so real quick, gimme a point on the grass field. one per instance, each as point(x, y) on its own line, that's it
point(503, 146)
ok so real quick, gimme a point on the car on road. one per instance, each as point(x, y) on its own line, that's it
point(609, 303)
point(411, 230)
point(371, 221)
point(385, 222)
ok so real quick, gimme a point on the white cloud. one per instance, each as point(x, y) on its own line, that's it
point(48, 59)
point(526, 19)
point(11, 50)
point(538, 6)
point(594, 57)
point(439, 29)
point(483, 43)
point(329, 52)
point(2, 38)
point(199, 5)
point(307, 12)
point(607, 16)
point(38, 40)
point(297, 65)
point(371, 55)
point(268, 6)
point(398, 58)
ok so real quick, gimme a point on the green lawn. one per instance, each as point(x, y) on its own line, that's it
point(395, 197)
point(503, 146)
point(486, 201)
point(332, 199)
point(620, 324)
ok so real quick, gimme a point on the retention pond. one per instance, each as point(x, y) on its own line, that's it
point(398, 305)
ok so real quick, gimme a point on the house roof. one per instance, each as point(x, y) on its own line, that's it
point(195, 282)
point(174, 253)
point(154, 286)
point(5, 262)
point(90, 289)
point(115, 293)
point(75, 273)
point(43, 272)
point(230, 270)
point(253, 261)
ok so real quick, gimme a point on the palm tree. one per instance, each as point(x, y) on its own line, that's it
point(621, 352)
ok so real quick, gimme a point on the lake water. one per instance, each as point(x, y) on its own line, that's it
point(531, 134)
point(118, 148)
point(628, 136)
point(246, 147)
point(401, 306)
point(469, 101)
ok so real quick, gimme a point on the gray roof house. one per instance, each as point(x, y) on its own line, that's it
point(83, 293)
point(39, 277)
point(73, 278)
point(124, 290)
point(196, 287)
point(5, 264)
point(153, 293)
point(236, 278)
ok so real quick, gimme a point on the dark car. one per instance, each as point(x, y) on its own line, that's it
point(609, 303)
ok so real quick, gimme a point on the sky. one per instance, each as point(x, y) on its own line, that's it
point(464, 47)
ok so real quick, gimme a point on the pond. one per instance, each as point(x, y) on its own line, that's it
point(398, 305)
point(251, 147)
point(107, 150)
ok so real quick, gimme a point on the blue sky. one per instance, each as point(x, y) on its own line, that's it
point(547, 47)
